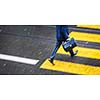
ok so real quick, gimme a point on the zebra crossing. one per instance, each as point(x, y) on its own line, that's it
point(86, 62)
point(90, 26)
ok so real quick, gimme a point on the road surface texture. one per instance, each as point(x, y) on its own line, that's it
point(25, 49)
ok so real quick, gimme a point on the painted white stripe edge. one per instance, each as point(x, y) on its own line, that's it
point(19, 59)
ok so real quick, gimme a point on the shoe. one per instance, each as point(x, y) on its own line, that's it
point(72, 55)
point(51, 61)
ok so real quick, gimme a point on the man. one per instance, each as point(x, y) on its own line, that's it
point(62, 34)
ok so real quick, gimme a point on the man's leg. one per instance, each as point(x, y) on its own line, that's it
point(58, 44)
point(72, 53)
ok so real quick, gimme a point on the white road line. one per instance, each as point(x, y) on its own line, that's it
point(18, 59)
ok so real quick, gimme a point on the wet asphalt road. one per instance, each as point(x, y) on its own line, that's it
point(35, 42)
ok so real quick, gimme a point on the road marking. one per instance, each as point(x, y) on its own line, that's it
point(18, 59)
point(89, 26)
point(76, 68)
point(83, 52)
point(85, 36)
point(71, 67)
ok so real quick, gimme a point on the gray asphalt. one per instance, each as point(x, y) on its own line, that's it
point(35, 42)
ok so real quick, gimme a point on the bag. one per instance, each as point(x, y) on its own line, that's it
point(68, 45)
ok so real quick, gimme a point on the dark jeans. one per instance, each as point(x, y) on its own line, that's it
point(58, 44)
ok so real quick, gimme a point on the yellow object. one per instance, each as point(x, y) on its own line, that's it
point(83, 52)
point(75, 68)
point(71, 67)
point(89, 26)
point(85, 36)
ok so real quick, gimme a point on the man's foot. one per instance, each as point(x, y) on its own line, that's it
point(72, 55)
point(51, 61)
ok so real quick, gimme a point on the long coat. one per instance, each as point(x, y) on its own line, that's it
point(62, 32)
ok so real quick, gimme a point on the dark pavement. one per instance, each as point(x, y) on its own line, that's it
point(34, 42)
